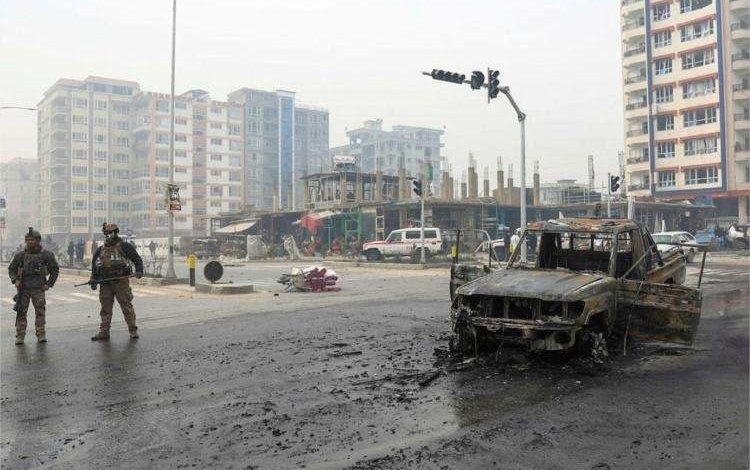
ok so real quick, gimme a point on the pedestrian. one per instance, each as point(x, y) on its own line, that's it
point(71, 253)
point(33, 271)
point(514, 240)
point(111, 269)
point(79, 251)
point(152, 249)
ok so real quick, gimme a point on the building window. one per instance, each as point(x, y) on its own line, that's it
point(120, 158)
point(180, 170)
point(122, 142)
point(100, 155)
point(235, 161)
point(216, 191)
point(79, 204)
point(80, 187)
point(180, 105)
point(664, 149)
point(78, 119)
point(234, 191)
point(697, 30)
point(701, 146)
point(666, 179)
point(663, 66)
point(121, 174)
point(100, 104)
point(216, 173)
point(80, 102)
point(216, 204)
point(180, 138)
point(180, 121)
point(216, 157)
point(235, 145)
point(100, 205)
point(660, 12)
point(122, 125)
point(101, 138)
point(664, 94)
point(100, 172)
point(698, 58)
point(701, 176)
point(121, 190)
point(80, 171)
point(120, 108)
point(100, 188)
point(215, 141)
point(180, 154)
point(665, 122)
point(699, 117)
point(234, 176)
point(692, 5)
point(100, 122)
point(80, 221)
point(699, 88)
point(161, 171)
point(80, 154)
point(662, 39)
point(234, 129)
point(80, 137)
point(217, 125)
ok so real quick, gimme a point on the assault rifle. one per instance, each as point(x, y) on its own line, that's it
point(93, 282)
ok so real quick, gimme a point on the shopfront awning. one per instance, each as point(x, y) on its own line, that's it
point(314, 220)
point(237, 227)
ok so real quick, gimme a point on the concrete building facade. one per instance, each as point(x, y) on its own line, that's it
point(283, 142)
point(685, 66)
point(408, 147)
point(19, 186)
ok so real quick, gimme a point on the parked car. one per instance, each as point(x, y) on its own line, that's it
point(665, 241)
point(737, 236)
point(588, 276)
point(405, 242)
point(707, 237)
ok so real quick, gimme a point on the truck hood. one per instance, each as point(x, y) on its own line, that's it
point(536, 284)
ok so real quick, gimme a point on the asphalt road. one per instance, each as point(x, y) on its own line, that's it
point(360, 379)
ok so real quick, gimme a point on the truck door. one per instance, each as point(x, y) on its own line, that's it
point(646, 308)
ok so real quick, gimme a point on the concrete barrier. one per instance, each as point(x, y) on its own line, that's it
point(225, 289)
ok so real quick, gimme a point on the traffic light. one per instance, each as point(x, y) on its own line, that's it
point(614, 183)
point(417, 187)
point(447, 76)
point(493, 84)
point(477, 80)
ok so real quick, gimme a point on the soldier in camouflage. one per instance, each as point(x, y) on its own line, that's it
point(113, 260)
point(33, 271)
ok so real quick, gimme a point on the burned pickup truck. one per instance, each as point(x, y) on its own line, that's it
point(584, 279)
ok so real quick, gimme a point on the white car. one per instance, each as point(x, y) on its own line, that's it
point(405, 242)
point(664, 242)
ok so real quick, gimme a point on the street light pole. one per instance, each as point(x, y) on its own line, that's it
point(522, 120)
point(170, 239)
point(421, 225)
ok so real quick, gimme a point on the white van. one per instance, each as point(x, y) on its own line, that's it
point(405, 242)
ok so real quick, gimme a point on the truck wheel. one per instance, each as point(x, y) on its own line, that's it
point(463, 341)
point(373, 255)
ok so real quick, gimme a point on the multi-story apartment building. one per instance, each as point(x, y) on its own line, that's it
point(19, 185)
point(104, 155)
point(85, 154)
point(283, 141)
point(405, 146)
point(685, 67)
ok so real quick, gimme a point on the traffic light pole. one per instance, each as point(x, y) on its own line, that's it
point(609, 195)
point(522, 120)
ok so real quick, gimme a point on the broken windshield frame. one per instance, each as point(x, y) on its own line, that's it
point(590, 245)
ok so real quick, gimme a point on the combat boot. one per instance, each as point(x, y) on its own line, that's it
point(102, 335)
point(134, 334)
point(20, 337)
point(41, 337)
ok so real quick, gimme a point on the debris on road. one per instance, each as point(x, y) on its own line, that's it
point(310, 279)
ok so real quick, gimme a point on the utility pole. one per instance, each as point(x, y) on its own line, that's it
point(493, 87)
point(170, 239)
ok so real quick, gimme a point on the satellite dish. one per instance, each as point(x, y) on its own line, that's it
point(213, 271)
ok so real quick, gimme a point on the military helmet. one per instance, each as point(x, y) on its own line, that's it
point(33, 234)
point(110, 227)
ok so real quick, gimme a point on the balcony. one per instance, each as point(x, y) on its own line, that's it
point(741, 121)
point(635, 160)
point(738, 5)
point(638, 187)
point(636, 133)
point(639, 23)
point(635, 51)
point(741, 60)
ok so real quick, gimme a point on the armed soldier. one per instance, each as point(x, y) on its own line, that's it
point(111, 269)
point(33, 271)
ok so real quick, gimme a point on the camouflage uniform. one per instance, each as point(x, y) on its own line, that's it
point(113, 260)
point(35, 269)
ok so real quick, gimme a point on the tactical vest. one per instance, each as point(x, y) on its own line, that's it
point(112, 261)
point(34, 269)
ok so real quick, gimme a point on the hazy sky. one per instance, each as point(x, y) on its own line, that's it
point(359, 59)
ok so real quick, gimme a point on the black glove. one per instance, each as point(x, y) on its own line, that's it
point(93, 286)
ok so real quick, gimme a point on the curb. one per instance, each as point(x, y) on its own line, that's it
point(224, 289)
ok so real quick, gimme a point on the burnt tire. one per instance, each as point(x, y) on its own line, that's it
point(592, 343)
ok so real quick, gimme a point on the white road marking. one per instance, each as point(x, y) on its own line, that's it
point(85, 296)
point(63, 298)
